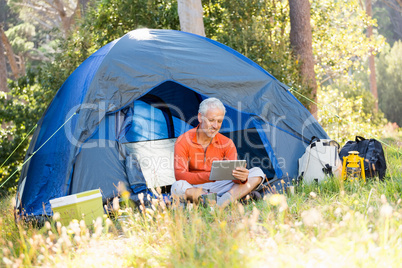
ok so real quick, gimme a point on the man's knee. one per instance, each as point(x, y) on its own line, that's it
point(257, 180)
point(179, 188)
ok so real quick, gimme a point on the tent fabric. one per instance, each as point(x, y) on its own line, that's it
point(171, 71)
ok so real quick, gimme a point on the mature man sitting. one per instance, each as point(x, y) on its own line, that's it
point(194, 153)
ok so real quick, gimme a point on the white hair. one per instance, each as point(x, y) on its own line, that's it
point(211, 103)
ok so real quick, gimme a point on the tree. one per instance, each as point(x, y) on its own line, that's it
point(50, 14)
point(257, 29)
point(388, 14)
point(3, 69)
point(389, 70)
point(394, 4)
point(340, 43)
point(190, 14)
point(301, 41)
point(10, 54)
point(373, 81)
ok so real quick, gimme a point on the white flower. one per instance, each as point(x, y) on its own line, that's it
point(386, 211)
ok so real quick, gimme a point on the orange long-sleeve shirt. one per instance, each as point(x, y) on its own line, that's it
point(193, 163)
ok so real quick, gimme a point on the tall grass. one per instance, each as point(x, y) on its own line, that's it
point(331, 224)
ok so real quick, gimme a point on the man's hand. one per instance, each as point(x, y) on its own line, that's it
point(240, 173)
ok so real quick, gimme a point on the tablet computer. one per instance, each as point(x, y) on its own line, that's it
point(222, 169)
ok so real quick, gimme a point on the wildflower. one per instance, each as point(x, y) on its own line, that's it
point(298, 223)
point(240, 208)
point(83, 225)
point(41, 258)
point(141, 198)
point(6, 251)
point(383, 199)
point(116, 205)
point(313, 195)
point(47, 225)
point(98, 227)
point(276, 199)
point(386, 211)
point(108, 222)
point(56, 216)
point(311, 217)
point(279, 200)
point(370, 210)
point(126, 195)
point(7, 261)
point(347, 217)
point(149, 211)
point(121, 187)
point(58, 225)
point(338, 212)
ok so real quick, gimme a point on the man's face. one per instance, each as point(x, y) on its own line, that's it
point(211, 122)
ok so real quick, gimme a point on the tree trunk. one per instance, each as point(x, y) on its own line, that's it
point(3, 69)
point(190, 15)
point(21, 64)
point(10, 53)
point(301, 42)
point(65, 20)
point(373, 81)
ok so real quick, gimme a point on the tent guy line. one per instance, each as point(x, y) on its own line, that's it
point(26, 161)
point(26, 136)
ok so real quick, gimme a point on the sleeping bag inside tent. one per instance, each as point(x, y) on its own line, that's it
point(114, 121)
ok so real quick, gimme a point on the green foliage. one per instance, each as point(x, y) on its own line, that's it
point(21, 37)
point(346, 111)
point(339, 40)
point(385, 27)
point(389, 74)
point(20, 109)
point(389, 20)
point(111, 19)
point(7, 15)
point(257, 29)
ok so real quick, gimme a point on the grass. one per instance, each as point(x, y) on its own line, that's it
point(332, 224)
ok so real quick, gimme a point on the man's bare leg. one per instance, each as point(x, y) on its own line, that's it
point(240, 190)
point(192, 194)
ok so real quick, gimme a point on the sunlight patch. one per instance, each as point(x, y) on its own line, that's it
point(141, 34)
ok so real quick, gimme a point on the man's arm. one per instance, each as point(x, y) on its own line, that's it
point(181, 169)
point(241, 174)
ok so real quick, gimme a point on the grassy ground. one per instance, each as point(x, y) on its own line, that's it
point(333, 224)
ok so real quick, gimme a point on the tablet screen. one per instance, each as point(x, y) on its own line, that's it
point(222, 170)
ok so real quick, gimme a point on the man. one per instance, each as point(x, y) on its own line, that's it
point(194, 153)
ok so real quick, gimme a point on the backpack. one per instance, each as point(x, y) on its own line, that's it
point(320, 160)
point(372, 152)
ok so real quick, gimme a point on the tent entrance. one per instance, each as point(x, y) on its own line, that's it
point(169, 110)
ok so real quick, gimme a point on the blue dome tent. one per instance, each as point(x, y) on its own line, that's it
point(135, 96)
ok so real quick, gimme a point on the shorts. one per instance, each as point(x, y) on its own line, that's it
point(219, 187)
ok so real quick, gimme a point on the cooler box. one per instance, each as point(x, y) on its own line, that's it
point(86, 205)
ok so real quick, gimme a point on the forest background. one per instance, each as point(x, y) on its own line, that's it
point(49, 39)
